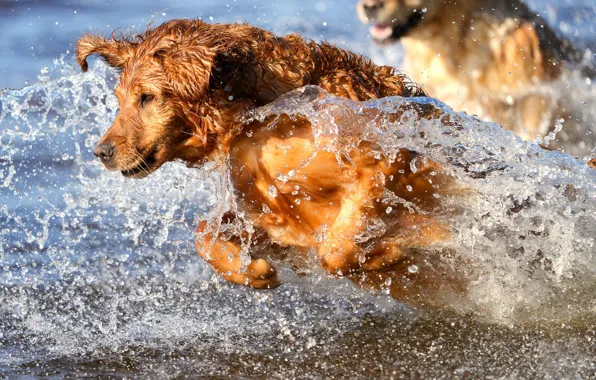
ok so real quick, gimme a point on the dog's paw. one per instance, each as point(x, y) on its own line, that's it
point(261, 274)
point(338, 256)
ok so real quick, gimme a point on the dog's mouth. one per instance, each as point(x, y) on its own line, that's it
point(392, 32)
point(146, 166)
point(381, 32)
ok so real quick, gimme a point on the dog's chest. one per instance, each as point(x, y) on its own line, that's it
point(286, 188)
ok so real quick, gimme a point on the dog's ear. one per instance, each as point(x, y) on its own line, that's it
point(187, 65)
point(115, 52)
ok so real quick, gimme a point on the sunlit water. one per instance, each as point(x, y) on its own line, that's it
point(99, 275)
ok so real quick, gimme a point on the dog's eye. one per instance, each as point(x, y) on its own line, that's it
point(146, 98)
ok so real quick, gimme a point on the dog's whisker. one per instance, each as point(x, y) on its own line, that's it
point(143, 164)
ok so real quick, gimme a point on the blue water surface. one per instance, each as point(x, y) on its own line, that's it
point(99, 276)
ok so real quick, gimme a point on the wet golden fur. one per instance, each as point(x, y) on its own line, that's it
point(484, 57)
point(184, 90)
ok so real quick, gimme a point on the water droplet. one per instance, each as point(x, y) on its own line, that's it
point(272, 191)
point(413, 269)
point(413, 164)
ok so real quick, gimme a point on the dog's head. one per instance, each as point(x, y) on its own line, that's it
point(163, 93)
point(393, 19)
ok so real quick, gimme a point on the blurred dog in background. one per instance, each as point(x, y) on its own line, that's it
point(485, 57)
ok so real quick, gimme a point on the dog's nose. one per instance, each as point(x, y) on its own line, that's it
point(104, 152)
point(371, 7)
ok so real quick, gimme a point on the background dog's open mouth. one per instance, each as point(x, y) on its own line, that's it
point(144, 168)
point(392, 32)
point(381, 32)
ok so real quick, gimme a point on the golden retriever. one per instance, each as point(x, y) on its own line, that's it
point(185, 89)
point(490, 58)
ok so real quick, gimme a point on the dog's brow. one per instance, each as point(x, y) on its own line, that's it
point(148, 88)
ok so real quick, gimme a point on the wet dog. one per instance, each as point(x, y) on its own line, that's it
point(184, 92)
point(490, 58)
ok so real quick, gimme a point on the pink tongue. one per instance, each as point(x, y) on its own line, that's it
point(381, 32)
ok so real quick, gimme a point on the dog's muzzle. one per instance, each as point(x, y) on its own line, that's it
point(371, 8)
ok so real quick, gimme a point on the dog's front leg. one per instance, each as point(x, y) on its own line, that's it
point(339, 253)
point(225, 258)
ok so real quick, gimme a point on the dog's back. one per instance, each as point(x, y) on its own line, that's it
point(272, 66)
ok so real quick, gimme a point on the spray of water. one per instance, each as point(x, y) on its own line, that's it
point(91, 262)
point(527, 225)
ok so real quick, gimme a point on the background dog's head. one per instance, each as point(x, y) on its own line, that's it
point(393, 19)
point(164, 94)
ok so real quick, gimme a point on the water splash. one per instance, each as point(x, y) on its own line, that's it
point(94, 265)
point(527, 233)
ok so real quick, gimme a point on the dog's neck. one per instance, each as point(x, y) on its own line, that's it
point(220, 120)
point(264, 69)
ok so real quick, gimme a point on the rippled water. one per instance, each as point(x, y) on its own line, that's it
point(99, 275)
